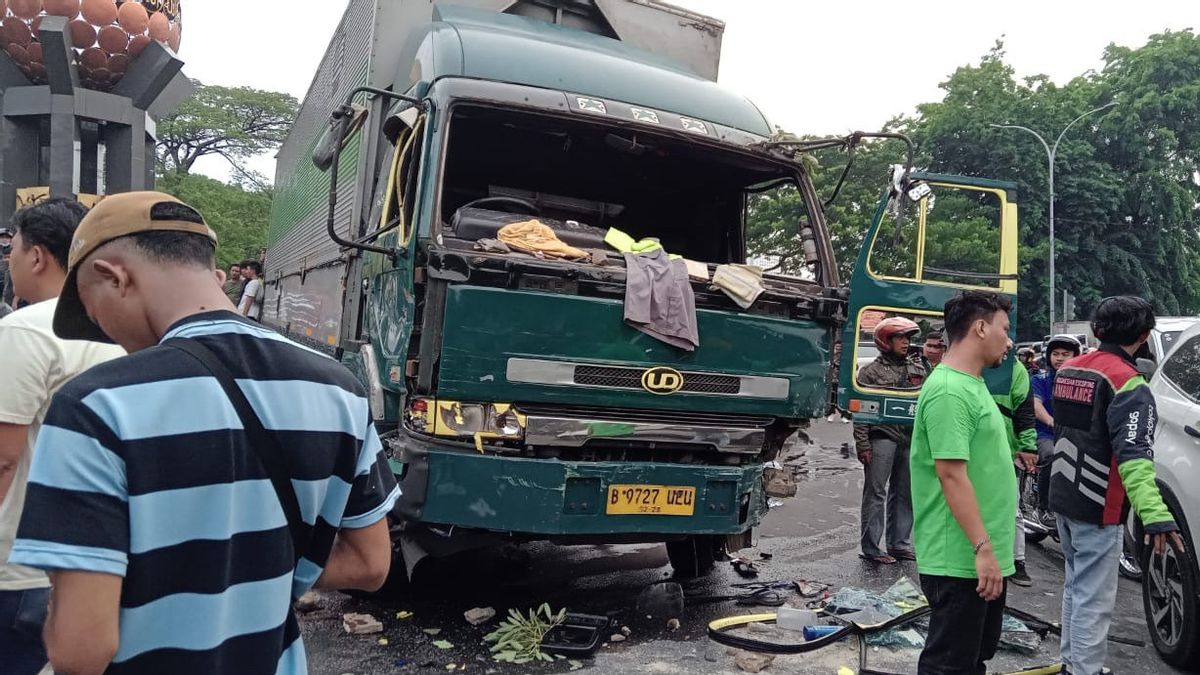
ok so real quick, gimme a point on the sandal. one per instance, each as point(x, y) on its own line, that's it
point(882, 559)
point(902, 554)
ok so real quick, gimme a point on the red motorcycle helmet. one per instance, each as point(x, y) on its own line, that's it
point(889, 328)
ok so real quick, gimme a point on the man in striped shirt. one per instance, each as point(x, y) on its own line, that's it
point(168, 547)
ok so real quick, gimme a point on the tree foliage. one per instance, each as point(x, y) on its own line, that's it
point(236, 123)
point(1126, 212)
point(237, 215)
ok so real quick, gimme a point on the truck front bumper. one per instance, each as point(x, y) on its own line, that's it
point(445, 485)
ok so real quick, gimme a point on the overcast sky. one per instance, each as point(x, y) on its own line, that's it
point(812, 67)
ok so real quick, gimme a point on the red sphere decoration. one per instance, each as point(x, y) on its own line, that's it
point(107, 35)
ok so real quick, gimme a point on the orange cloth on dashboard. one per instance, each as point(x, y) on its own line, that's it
point(532, 236)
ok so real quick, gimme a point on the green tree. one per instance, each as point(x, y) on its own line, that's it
point(1125, 214)
point(237, 215)
point(236, 123)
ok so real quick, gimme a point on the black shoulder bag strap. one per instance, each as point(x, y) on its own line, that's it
point(265, 445)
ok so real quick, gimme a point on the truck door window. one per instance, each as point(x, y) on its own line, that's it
point(402, 180)
point(776, 218)
point(954, 236)
point(894, 252)
point(904, 377)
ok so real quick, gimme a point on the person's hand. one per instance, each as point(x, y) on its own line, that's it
point(1028, 461)
point(987, 568)
point(864, 456)
point(1160, 541)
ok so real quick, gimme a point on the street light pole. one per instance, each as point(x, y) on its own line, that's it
point(1051, 153)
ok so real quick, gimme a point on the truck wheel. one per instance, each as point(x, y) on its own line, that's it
point(694, 556)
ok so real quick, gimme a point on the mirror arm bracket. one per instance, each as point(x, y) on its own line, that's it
point(340, 116)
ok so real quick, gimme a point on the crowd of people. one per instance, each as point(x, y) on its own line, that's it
point(944, 491)
point(144, 422)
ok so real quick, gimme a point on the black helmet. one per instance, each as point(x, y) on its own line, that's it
point(1066, 342)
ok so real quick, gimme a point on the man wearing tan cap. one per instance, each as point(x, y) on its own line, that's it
point(182, 496)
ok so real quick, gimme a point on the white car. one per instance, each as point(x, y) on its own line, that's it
point(1171, 582)
point(1166, 333)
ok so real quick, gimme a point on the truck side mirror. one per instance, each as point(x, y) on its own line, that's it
point(341, 129)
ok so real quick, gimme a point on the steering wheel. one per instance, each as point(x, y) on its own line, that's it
point(523, 204)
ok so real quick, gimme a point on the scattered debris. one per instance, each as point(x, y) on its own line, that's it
point(309, 602)
point(673, 625)
point(404, 614)
point(432, 631)
point(626, 631)
point(779, 482)
point(383, 641)
point(576, 635)
point(766, 556)
point(361, 624)
point(451, 666)
point(617, 637)
point(518, 638)
point(479, 615)
point(744, 568)
point(662, 600)
point(751, 662)
point(846, 451)
point(575, 665)
point(810, 589)
point(774, 503)
point(442, 644)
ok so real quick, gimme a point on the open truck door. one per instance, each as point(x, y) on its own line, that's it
point(932, 236)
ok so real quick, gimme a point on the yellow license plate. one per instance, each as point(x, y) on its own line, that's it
point(651, 500)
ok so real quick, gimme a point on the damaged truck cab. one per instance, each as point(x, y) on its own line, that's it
point(515, 401)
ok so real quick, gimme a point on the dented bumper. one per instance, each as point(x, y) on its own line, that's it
point(456, 486)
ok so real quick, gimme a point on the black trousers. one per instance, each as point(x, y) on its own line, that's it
point(964, 629)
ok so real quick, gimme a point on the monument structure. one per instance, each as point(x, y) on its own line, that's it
point(82, 83)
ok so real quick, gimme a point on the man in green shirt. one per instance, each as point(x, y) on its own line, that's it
point(964, 490)
point(1017, 407)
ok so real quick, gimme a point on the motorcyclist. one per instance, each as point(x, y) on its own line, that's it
point(1059, 349)
point(883, 449)
point(1027, 358)
point(931, 352)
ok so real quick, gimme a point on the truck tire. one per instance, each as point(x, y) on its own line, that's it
point(694, 556)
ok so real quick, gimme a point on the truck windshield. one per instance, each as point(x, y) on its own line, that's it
point(503, 164)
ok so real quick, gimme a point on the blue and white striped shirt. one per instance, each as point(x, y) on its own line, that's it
point(142, 470)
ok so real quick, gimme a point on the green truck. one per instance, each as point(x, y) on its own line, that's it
point(514, 399)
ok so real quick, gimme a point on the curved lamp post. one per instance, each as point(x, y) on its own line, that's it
point(1051, 153)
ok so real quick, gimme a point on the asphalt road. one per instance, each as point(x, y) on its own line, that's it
point(812, 536)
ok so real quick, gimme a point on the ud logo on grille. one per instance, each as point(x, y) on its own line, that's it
point(662, 381)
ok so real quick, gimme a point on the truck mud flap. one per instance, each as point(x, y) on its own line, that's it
point(414, 483)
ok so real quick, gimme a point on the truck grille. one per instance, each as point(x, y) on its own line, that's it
point(631, 378)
